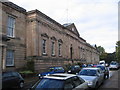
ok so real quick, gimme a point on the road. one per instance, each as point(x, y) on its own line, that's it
point(113, 82)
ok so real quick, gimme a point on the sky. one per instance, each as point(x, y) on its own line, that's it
point(96, 20)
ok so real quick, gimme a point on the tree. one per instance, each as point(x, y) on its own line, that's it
point(118, 51)
point(101, 50)
point(111, 57)
point(103, 56)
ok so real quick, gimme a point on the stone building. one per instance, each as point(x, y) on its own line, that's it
point(34, 35)
point(13, 36)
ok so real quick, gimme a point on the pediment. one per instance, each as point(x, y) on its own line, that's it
point(72, 27)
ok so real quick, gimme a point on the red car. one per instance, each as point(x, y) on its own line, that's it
point(94, 65)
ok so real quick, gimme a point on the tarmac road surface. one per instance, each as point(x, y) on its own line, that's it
point(113, 82)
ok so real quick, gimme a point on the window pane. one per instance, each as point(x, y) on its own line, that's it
point(10, 58)
point(53, 51)
point(59, 49)
point(43, 46)
point(10, 28)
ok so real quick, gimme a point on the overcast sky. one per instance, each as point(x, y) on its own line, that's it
point(96, 20)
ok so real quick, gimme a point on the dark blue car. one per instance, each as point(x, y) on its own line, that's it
point(52, 70)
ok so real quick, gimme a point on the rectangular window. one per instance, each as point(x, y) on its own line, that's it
point(44, 46)
point(53, 48)
point(10, 26)
point(59, 49)
point(10, 58)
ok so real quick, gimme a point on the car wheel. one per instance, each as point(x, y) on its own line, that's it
point(97, 85)
point(21, 84)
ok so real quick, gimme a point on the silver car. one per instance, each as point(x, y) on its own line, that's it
point(94, 76)
point(114, 65)
point(61, 82)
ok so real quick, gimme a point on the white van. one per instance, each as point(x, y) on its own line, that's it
point(102, 62)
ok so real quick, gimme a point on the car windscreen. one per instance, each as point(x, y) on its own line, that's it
point(49, 84)
point(102, 63)
point(50, 69)
point(55, 68)
point(88, 72)
point(74, 67)
point(113, 63)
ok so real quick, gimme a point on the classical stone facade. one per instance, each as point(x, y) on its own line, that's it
point(44, 36)
point(42, 39)
point(13, 36)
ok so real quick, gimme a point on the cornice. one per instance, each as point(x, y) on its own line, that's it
point(14, 6)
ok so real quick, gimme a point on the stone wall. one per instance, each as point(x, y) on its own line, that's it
point(18, 42)
point(42, 65)
point(34, 26)
point(40, 26)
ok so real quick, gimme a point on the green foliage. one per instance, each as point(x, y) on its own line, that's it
point(66, 67)
point(101, 49)
point(30, 65)
point(26, 72)
point(80, 64)
point(110, 57)
point(103, 56)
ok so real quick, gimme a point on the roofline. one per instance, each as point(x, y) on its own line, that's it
point(91, 46)
point(55, 22)
point(14, 6)
point(45, 16)
point(50, 19)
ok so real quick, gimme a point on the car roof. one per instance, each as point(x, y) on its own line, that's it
point(56, 67)
point(60, 76)
point(9, 72)
point(101, 65)
point(92, 68)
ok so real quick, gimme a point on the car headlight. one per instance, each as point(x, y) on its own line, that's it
point(69, 71)
point(48, 74)
point(90, 83)
point(39, 75)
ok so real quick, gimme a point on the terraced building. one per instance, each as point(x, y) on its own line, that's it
point(34, 35)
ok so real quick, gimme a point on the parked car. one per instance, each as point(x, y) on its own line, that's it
point(12, 80)
point(93, 76)
point(102, 62)
point(105, 70)
point(60, 82)
point(74, 69)
point(52, 70)
point(84, 65)
point(90, 65)
point(94, 65)
point(114, 65)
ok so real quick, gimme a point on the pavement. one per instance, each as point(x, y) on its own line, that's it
point(112, 83)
